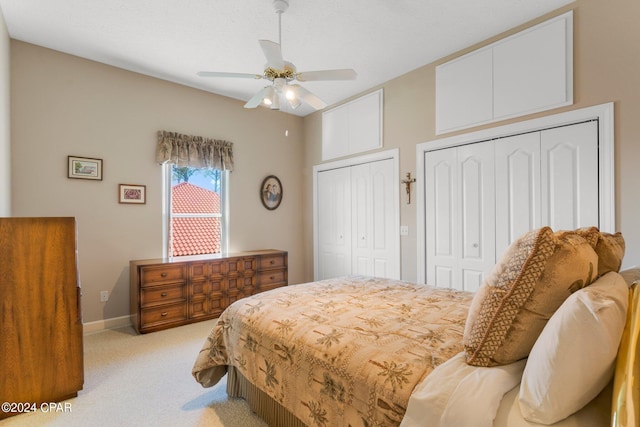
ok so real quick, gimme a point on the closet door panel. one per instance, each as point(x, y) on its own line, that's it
point(373, 207)
point(384, 232)
point(441, 183)
point(570, 176)
point(334, 223)
point(361, 193)
point(517, 188)
point(476, 216)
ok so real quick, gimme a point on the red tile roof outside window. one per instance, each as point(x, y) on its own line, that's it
point(195, 235)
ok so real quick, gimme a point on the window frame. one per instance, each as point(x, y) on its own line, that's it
point(166, 213)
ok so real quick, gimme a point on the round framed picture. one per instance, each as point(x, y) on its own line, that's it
point(271, 192)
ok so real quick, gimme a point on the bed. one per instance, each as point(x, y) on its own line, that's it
point(364, 351)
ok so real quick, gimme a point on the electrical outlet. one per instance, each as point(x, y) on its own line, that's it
point(404, 230)
point(104, 296)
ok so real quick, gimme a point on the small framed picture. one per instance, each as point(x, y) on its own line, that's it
point(271, 192)
point(84, 168)
point(135, 194)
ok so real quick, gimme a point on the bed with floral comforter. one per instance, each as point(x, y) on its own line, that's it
point(345, 351)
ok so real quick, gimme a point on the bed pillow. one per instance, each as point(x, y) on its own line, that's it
point(609, 247)
point(532, 279)
point(610, 250)
point(574, 357)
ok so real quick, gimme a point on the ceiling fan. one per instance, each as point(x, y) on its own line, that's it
point(283, 73)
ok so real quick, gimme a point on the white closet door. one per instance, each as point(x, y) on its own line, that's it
point(460, 216)
point(569, 176)
point(517, 168)
point(373, 226)
point(334, 223)
point(476, 214)
point(441, 225)
point(361, 194)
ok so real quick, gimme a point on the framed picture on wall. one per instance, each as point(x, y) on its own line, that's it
point(134, 194)
point(271, 192)
point(84, 168)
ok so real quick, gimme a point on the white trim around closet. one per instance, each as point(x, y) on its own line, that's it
point(606, 176)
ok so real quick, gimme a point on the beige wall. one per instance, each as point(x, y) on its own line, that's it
point(5, 153)
point(64, 105)
point(606, 68)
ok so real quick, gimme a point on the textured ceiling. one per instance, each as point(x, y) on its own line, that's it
point(174, 39)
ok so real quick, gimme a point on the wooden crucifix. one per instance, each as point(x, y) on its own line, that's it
point(407, 182)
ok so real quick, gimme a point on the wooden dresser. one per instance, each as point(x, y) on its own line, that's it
point(172, 292)
point(41, 354)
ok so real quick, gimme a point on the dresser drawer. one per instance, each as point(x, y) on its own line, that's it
point(154, 295)
point(163, 314)
point(150, 275)
point(272, 261)
point(266, 278)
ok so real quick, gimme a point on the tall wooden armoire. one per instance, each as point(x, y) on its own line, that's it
point(41, 354)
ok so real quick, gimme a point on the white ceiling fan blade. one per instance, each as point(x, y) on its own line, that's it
point(273, 53)
point(223, 74)
point(308, 97)
point(344, 74)
point(257, 98)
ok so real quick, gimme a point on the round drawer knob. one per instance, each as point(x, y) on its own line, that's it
point(163, 314)
point(164, 294)
point(163, 275)
point(272, 262)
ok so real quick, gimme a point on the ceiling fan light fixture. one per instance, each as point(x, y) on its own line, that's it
point(269, 96)
point(275, 103)
point(290, 94)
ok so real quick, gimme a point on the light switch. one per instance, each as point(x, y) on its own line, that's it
point(404, 230)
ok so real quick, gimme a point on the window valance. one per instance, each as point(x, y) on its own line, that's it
point(194, 151)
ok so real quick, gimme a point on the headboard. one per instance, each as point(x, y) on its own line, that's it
point(625, 408)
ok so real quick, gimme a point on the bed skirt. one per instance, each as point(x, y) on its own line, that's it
point(260, 402)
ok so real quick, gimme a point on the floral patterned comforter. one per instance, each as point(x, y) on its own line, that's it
point(339, 352)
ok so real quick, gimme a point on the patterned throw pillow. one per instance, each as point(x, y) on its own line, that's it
point(609, 247)
point(532, 279)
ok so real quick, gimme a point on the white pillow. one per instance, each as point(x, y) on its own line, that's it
point(458, 394)
point(574, 357)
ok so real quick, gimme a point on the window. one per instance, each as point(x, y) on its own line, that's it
point(194, 219)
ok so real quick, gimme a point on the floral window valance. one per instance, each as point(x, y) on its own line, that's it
point(194, 151)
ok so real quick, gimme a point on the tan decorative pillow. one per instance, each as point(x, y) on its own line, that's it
point(590, 234)
point(532, 279)
point(609, 247)
point(610, 250)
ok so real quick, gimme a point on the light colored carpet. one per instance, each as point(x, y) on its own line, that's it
point(145, 380)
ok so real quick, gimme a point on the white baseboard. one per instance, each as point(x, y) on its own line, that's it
point(101, 325)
